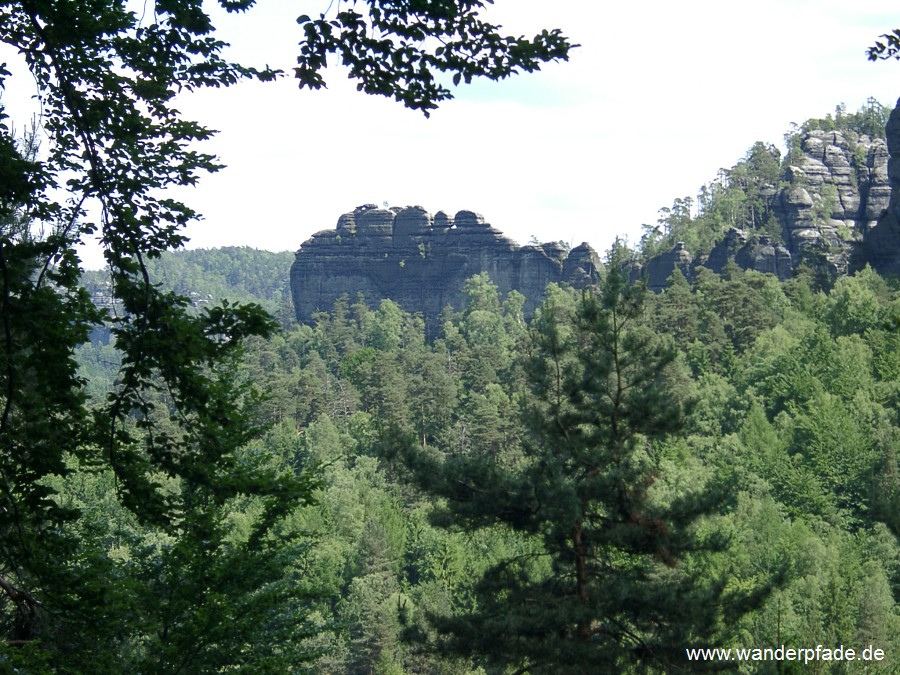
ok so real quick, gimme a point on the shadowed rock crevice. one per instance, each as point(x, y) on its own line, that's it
point(881, 245)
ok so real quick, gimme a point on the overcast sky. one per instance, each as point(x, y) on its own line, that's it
point(656, 99)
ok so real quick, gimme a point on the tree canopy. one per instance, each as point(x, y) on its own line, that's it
point(169, 437)
point(887, 47)
point(576, 482)
point(400, 49)
point(786, 438)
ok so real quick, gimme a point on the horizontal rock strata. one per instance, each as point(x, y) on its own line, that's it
point(421, 261)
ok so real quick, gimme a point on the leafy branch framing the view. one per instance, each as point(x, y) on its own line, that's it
point(170, 434)
point(887, 48)
point(397, 48)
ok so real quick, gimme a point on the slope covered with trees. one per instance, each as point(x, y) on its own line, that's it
point(140, 527)
point(818, 200)
point(750, 501)
point(213, 494)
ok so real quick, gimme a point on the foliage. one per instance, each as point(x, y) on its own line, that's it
point(793, 396)
point(739, 197)
point(746, 195)
point(165, 516)
point(604, 581)
point(889, 48)
point(193, 570)
point(870, 120)
point(395, 49)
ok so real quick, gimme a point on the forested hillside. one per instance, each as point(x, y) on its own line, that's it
point(824, 204)
point(625, 477)
point(233, 273)
point(190, 483)
point(749, 497)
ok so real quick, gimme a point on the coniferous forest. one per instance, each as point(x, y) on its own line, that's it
point(193, 482)
point(625, 476)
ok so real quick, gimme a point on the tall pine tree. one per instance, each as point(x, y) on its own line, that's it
point(612, 579)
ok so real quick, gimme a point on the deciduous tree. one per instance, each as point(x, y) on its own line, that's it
point(172, 430)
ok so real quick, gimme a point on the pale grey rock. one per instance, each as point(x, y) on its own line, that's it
point(838, 189)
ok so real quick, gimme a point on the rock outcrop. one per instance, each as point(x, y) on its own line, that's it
point(656, 272)
point(751, 252)
point(833, 207)
point(838, 189)
point(421, 262)
point(881, 243)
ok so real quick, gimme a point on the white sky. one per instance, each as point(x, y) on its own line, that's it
point(659, 96)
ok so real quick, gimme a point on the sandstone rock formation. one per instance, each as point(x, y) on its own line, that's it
point(833, 206)
point(656, 272)
point(838, 189)
point(881, 243)
point(661, 267)
point(755, 252)
point(421, 261)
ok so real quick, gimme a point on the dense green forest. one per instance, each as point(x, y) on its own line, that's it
point(190, 483)
point(143, 525)
point(758, 465)
point(622, 477)
point(208, 276)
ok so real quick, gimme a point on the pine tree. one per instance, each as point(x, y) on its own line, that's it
point(612, 580)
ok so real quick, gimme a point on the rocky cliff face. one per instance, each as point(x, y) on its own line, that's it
point(832, 205)
point(881, 243)
point(758, 252)
point(657, 271)
point(421, 261)
point(838, 189)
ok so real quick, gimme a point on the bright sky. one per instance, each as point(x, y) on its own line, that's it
point(659, 96)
